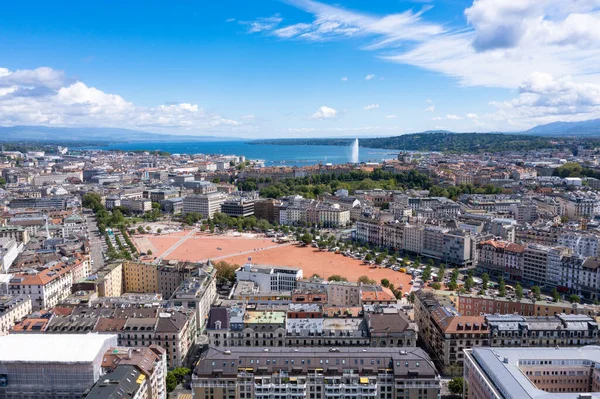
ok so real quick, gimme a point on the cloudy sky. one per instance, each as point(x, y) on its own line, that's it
point(300, 68)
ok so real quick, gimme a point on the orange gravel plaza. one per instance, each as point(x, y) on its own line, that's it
point(264, 251)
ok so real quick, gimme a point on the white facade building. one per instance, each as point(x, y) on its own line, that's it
point(270, 278)
point(51, 365)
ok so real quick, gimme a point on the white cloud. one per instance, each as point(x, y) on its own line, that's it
point(45, 97)
point(544, 99)
point(453, 117)
point(472, 116)
point(431, 108)
point(40, 77)
point(249, 117)
point(333, 22)
point(391, 116)
point(291, 30)
point(344, 79)
point(371, 106)
point(230, 20)
point(370, 77)
point(262, 24)
point(324, 113)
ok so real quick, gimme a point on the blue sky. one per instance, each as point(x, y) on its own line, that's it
point(299, 68)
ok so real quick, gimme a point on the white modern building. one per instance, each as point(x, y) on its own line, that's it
point(51, 365)
point(205, 204)
point(270, 278)
point(9, 250)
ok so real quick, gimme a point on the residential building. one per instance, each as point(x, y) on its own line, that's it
point(107, 281)
point(17, 233)
point(51, 365)
point(49, 286)
point(333, 215)
point(13, 309)
point(124, 381)
point(150, 361)
point(501, 258)
point(197, 293)
point(140, 277)
point(580, 243)
point(534, 331)
point(137, 205)
point(317, 373)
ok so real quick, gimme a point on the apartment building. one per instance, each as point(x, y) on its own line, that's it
point(13, 309)
point(150, 361)
point(580, 243)
point(445, 331)
point(197, 293)
point(16, 233)
point(137, 205)
point(474, 305)
point(501, 258)
point(333, 215)
point(124, 380)
point(140, 277)
point(49, 286)
point(534, 331)
point(315, 373)
point(107, 281)
point(535, 264)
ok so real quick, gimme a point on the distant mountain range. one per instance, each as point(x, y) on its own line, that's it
point(590, 128)
point(585, 128)
point(93, 134)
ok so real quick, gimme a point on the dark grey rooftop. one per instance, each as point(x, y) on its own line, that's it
point(405, 362)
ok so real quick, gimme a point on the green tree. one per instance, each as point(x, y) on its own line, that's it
point(441, 273)
point(519, 291)
point(385, 282)
point(180, 373)
point(536, 292)
point(485, 278)
point(501, 287)
point(555, 295)
point(436, 285)
point(368, 257)
point(456, 385)
point(225, 271)
point(336, 277)
point(171, 382)
point(411, 297)
point(426, 274)
point(141, 230)
point(379, 260)
point(366, 280)
point(306, 238)
point(149, 252)
point(469, 283)
point(574, 298)
point(2, 182)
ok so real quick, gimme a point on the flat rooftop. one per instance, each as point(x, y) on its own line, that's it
point(501, 366)
point(54, 348)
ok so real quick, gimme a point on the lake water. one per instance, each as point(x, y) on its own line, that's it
point(277, 155)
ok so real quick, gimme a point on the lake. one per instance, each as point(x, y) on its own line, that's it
point(276, 155)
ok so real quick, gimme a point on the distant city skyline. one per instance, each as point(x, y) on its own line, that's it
point(300, 68)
